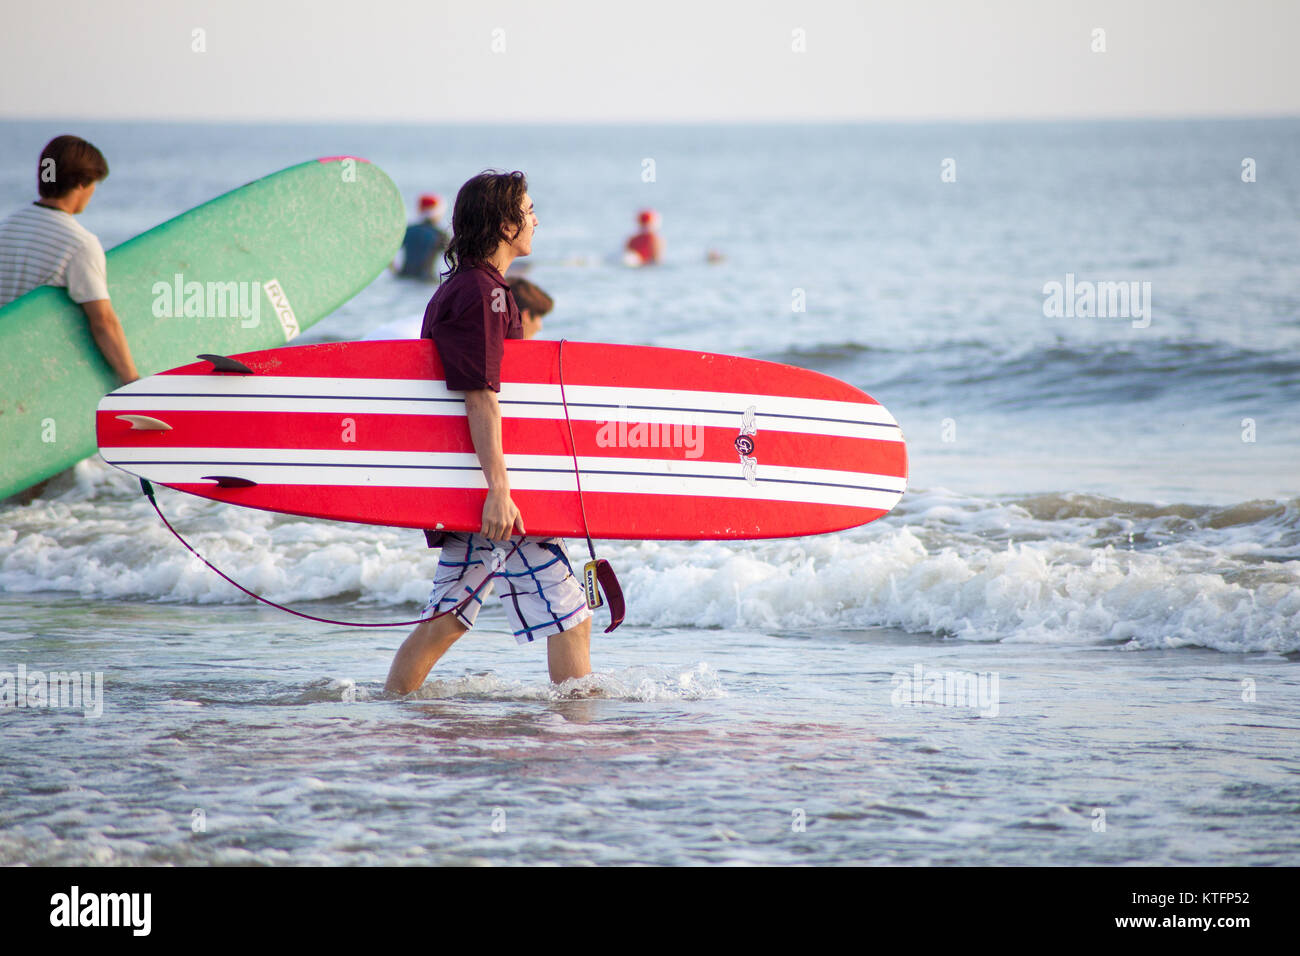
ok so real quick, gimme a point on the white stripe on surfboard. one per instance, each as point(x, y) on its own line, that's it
point(523, 393)
point(530, 472)
point(406, 397)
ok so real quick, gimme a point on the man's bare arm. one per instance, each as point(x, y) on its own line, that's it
point(107, 331)
point(500, 516)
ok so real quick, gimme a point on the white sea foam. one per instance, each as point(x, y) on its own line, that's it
point(1053, 569)
point(956, 569)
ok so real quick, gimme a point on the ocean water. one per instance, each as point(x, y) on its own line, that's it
point(1074, 642)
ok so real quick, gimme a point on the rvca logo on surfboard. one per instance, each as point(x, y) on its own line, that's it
point(745, 445)
point(280, 303)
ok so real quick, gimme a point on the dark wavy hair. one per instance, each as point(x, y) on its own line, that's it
point(485, 207)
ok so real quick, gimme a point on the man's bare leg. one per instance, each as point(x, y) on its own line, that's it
point(568, 654)
point(420, 651)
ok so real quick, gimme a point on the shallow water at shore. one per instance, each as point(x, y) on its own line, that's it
point(274, 739)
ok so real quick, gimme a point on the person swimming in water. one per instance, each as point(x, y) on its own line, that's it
point(424, 241)
point(647, 246)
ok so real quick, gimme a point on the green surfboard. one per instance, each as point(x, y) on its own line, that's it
point(248, 270)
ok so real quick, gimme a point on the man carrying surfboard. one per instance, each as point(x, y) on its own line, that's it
point(469, 318)
point(41, 244)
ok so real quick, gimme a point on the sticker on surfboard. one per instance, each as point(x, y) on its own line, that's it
point(745, 445)
point(283, 311)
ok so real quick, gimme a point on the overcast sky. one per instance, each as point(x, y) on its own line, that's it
point(675, 60)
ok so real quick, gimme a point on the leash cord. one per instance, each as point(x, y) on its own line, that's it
point(573, 448)
point(460, 606)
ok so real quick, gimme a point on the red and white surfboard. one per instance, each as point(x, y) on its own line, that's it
point(670, 444)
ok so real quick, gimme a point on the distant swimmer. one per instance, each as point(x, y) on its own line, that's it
point(425, 240)
point(41, 244)
point(534, 305)
point(646, 247)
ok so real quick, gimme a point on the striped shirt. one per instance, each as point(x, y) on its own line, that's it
point(44, 246)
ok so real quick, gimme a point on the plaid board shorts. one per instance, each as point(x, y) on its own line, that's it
point(537, 587)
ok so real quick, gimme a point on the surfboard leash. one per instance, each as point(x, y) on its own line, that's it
point(596, 573)
point(493, 570)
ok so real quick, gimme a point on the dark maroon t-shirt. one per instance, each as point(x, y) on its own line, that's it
point(469, 318)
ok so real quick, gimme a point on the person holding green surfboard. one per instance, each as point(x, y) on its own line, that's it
point(468, 318)
point(41, 244)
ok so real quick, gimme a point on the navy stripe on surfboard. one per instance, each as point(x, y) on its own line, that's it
point(509, 401)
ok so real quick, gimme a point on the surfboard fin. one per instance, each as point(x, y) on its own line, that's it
point(228, 481)
point(145, 423)
point(224, 363)
point(598, 574)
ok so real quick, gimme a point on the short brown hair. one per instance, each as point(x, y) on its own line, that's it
point(528, 296)
point(67, 163)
